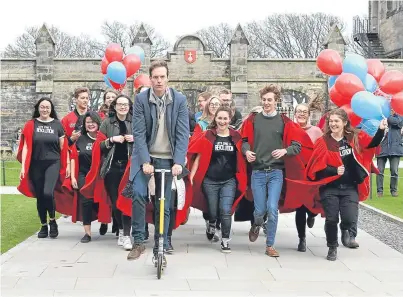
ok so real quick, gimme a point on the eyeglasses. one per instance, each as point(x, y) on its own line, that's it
point(214, 104)
point(122, 104)
point(304, 112)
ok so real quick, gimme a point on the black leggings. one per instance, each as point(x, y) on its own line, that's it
point(112, 182)
point(300, 220)
point(341, 200)
point(88, 208)
point(44, 175)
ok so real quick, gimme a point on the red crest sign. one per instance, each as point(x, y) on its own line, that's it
point(190, 56)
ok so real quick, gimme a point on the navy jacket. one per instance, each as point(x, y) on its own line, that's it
point(392, 144)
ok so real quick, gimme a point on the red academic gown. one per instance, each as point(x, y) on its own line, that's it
point(204, 145)
point(103, 215)
point(294, 166)
point(326, 153)
point(69, 122)
point(63, 203)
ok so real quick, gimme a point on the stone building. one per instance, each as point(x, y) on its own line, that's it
point(193, 69)
point(382, 32)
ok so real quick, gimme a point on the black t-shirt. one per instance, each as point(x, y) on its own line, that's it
point(223, 159)
point(346, 153)
point(46, 146)
point(84, 147)
point(121, 148)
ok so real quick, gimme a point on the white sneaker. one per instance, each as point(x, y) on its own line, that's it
point(120, 238)
point(127, 243)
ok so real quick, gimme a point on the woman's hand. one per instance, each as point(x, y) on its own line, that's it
point(129, 138)
point(118, 139)
point(340, 170)
point(384, 124)
point(22, 173)
point(74, 183)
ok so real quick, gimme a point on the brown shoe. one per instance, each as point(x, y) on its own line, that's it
point(394, 194)
point(271, 252)
point(254, 232)
point(136, 251)
point(379, 194)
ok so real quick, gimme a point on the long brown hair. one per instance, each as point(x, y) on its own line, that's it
point(348, 129)
point(213, 124)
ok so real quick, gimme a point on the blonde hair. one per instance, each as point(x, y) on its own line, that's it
point(206, 112)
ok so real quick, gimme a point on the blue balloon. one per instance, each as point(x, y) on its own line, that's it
point(370, 83)
point(332, 80)
point(137, 50)
point(106, 80)
point(356, 65)
point(385, 107)
point(370, 126)
point(116, 72)
point(366, 105)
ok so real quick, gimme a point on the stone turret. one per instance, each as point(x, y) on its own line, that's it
point(45, 52)
point(239, 66)
point(143, 40)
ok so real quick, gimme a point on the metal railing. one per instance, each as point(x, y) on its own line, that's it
point(361, 25)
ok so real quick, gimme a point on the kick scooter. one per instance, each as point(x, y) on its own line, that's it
point(160, 256)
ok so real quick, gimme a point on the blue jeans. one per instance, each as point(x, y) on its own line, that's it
point(220, 196)
point(140, 199)
point(266, 189)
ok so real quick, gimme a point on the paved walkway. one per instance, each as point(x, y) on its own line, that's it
point(66, 267)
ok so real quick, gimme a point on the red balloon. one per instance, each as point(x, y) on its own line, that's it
point(354, 119)
point(338, 98)
point(132, 63)
point(114, 52)
point(142, 80)
point(104, 65)
point(397, 103)
point(116, 86)
point(348, 84)
point(329, 62)
point(391, 82)
point(375, 68)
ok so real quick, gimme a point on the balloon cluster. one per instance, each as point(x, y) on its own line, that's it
point(362, 88)
point(117, 67)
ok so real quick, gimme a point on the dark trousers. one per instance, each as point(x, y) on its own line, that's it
point(341, 200)
point(44, 176)
point(112, 181)
point(220, 197)
point(89, 209)
point(394, 173)
point(300, 220)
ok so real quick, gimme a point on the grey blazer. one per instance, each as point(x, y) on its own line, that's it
point(145, 128)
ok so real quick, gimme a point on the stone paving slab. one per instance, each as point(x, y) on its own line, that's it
point(66, 267)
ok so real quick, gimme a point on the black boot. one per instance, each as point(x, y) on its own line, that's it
point(332, 254)
point(353, 244)
point(310, 221)
point(115, 228)
point(302, 245)
point(43, 233)
point(345, 238)
point(54, 231)
point(146, 233)
point(103, 229)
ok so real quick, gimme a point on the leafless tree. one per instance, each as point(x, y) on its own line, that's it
point(289, 35)
point(124, 35)
point(217, 38)
point(66, 46)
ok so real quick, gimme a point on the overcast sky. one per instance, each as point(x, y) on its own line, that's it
point(170, 18)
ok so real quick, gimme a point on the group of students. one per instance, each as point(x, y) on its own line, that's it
point(97, 165)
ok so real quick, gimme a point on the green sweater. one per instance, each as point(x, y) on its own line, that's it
point(268, 136)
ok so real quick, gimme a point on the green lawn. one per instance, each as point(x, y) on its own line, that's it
point(11, 172)
point(19, 220)
point(389, 204)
